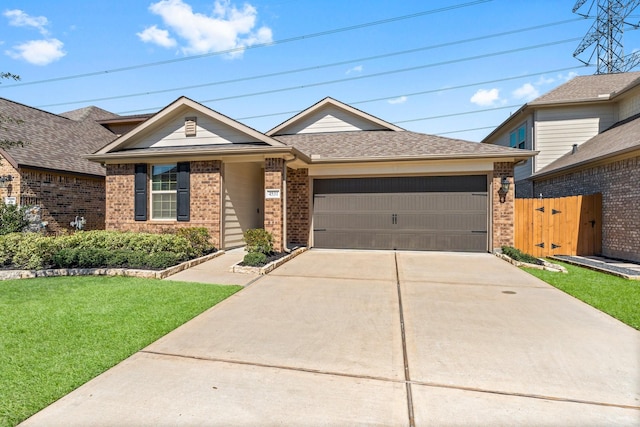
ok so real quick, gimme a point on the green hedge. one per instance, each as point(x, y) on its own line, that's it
point(518, 255)
point(103, 249)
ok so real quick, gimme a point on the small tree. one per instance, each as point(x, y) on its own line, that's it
point(12, 219)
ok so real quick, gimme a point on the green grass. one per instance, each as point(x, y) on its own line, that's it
point(58, 333)
point(613, 295)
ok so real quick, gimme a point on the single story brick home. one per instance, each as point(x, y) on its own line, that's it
point(332, 176)
point(50, 170)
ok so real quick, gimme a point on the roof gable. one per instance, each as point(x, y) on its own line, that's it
point(330, 115)
point(168, 128)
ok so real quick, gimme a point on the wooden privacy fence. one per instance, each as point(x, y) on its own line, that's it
point(562, 226)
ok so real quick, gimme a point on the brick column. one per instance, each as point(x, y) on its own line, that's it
point(298, 209)
point(274, 208)
point(503, 213)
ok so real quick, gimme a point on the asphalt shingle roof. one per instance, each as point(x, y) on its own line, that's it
point(388, 144)
point(583, 88)
point(621, 137)
point(53, 141)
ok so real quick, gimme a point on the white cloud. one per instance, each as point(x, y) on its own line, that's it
point(567, 76)
point(356, 69)
point(526, 92)
point(399, 100)
point(228, 28)
point(18, 18)
point(38, 52)
point(544, 81)
point(485, 97)
point(157, 36)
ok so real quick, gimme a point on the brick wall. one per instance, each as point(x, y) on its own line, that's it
point(273, 208)
point(13, 187)
point(298, 209)
point(524, 189)
point(62, 197)
point(204, 201)
point(503, 213)
point(619, 183)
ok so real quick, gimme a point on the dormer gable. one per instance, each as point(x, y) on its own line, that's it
point(330, 115)
point(187, 123)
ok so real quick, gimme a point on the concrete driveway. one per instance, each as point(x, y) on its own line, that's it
point(377, 338)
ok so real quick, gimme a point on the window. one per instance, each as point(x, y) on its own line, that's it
point(518, 137)
point(164, 180)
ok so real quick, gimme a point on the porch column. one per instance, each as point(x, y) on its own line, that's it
point(274, 201)
point(503, 218)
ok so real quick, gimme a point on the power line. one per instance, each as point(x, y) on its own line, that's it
point(464, 113)
point(316, 67)
point(255, 46)
point(466, 130)
point(424, 92)
point(368, 76)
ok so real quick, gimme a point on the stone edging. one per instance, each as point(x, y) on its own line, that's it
point(236, 268)
point(545, 266)
point(129, 272)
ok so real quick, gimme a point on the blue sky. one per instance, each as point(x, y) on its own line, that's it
point(451, 67)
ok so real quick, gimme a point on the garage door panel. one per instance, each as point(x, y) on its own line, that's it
point(450, 213)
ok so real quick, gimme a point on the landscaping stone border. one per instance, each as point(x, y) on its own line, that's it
point(625, 273)
point(545, 264)
point(129, 272)
point(236, 268)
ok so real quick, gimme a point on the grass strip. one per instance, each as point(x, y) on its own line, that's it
point(58, 333)
point(616, 296)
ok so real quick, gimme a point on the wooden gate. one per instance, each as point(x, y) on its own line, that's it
point(562, 226)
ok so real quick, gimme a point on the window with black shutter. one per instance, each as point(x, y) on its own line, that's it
point(140, 192)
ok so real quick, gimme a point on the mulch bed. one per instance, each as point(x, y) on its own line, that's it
point(270, 258)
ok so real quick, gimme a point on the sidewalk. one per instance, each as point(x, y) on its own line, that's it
point(217, 271)
point(626, 269)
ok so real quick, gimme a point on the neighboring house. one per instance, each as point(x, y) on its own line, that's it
point(569, 115)
point(330, 177)
point(608, 163)
point(587, 132)
point(50, 170)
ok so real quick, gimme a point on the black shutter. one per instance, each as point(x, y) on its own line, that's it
point(140, 193)
point(183, 191)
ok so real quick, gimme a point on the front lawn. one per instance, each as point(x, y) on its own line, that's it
point(58, 333)
point(613, 295)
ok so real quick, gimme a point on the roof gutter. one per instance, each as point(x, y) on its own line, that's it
point(518, 157)
point(184, 153)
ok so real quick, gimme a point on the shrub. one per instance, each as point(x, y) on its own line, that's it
point(518, 255)
point(162, 260)
point(254, 259)
point(12, 219)
point(66, 258)
point(198, 238)
point(258, 240)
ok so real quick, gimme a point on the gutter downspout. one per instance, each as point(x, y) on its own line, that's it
point(284, 204)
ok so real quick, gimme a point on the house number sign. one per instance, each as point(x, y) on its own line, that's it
point(272, 193)
point(10, 200)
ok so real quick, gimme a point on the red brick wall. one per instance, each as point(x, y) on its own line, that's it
point(298, 209)
point(273, 208)
point(204, 201)
point(13, 187)
point(619, 184)
point(503, 213)
point(63, 197)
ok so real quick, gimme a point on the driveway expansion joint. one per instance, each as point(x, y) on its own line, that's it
point(525, 395)
point(407, 376)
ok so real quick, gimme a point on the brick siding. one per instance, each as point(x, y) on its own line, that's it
point(204, 201)
point(503, 213)
point(298, 209)
point(61, 196)
point(619, 184)
point(273, 208)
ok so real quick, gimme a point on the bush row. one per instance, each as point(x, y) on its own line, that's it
point(518, 255)
point(111, 248)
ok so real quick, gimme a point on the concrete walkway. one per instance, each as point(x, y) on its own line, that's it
point(377, 338)
point(217, 271)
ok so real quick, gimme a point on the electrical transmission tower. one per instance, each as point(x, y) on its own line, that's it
point(606, 34)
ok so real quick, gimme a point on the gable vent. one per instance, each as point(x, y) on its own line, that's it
point(190, 125)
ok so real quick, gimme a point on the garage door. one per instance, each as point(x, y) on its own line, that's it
point(447, 213)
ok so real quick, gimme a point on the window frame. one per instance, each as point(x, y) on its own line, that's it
point(154, 193)
point(515, 141)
